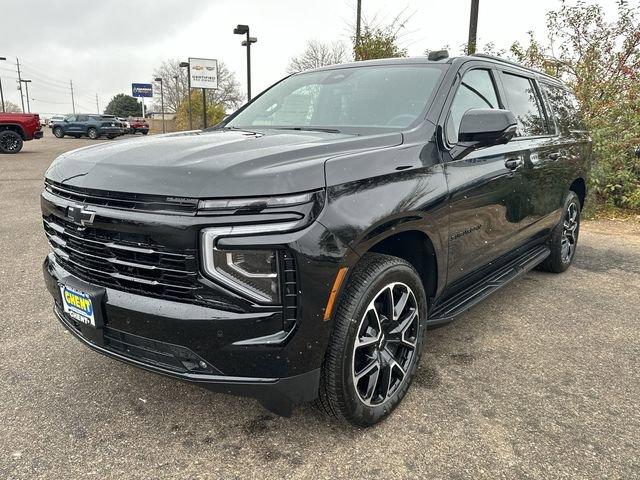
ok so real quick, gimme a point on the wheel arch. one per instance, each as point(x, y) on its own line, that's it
point(415, 247)
point(14, 127)
point(579, 187)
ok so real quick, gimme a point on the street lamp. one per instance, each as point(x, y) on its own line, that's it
point(159, 79)
point(186, 65)
point(244, 30)
point(2, 59)
point(26, 84)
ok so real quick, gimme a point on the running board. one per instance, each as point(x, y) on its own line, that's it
point(462, 301)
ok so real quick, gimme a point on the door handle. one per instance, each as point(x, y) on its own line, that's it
point(554, 156)
point(514, 163)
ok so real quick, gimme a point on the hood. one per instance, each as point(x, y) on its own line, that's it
point(213, 164)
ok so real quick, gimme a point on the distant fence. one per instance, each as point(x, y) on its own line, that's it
point(155, 125)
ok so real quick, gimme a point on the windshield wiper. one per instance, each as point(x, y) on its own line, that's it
point(309, 129)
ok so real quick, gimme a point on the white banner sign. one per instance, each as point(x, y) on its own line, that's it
point(204, 72)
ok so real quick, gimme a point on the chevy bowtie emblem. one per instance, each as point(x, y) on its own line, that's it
point(80, 216)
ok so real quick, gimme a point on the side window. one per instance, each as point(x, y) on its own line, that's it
point(71, 118)
point(524, 103)
point(82, 118)
point(475, 91)
point(565, 108)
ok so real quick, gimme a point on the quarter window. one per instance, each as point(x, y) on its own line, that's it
point(565, 108)
point(524, 103)
point(475, 91)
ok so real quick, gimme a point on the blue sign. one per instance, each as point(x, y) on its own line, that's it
point(142, 89)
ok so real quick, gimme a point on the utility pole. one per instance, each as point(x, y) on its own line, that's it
point(358, 21)
point(20, 83)
point(26, 85)
point(97, 104)
point(73, 102)
point(473, 27)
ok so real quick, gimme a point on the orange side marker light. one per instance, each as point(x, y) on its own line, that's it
point(334, 292)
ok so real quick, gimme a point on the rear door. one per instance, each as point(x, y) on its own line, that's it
point(484, 203)
point(537, 143)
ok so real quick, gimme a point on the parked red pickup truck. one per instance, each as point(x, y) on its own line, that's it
point(138, 125)
point(16, 128)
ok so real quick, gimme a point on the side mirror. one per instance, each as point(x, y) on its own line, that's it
point(484, 127)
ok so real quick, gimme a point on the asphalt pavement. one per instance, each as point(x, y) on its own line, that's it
point(539, 381)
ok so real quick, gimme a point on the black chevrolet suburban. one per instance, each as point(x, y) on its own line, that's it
point(299, 250)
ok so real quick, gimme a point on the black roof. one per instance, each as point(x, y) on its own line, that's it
point(449, 60)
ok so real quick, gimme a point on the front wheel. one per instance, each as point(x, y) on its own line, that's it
point(563, 240)
point(92, 133)
point(376, 342)
point(10, 142)
point(58, 132)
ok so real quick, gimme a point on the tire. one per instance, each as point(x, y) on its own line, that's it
point(10, 142)
point(369, 365)
point(58, 132)
point(92, 133)
point(563, 239)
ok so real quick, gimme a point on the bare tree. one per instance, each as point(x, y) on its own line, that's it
point(317, 54)
point(11, 107)
point(176, 85)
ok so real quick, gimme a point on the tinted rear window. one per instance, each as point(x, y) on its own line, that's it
point(523, 101)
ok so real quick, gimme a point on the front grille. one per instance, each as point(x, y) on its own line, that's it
point(124, 201)
point(133, 263)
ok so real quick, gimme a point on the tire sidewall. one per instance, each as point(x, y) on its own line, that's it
point(357, 411)
point(58, 132)
point(92, 133)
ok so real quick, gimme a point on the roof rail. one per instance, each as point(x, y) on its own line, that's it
point(516, 64)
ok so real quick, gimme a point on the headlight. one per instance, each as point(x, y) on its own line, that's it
point(253, 273)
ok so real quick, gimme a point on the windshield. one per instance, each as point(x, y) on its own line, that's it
point(384, 96)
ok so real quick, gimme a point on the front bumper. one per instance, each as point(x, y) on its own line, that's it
point(38, 134)
point(123, 312)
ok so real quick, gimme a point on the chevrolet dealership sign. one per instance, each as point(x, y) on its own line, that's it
point(204, 72)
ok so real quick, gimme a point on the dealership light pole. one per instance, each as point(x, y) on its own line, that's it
point(26, 84)
point(186, 65)
point(2, 59)
point(159, 79)
point(244, 30)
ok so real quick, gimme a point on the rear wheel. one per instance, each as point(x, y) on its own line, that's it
point(92, 133)
point(58, 132)
point(563, 240)
point(10, 142)
point(376, 342)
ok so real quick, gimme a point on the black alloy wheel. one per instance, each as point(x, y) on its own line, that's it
point(10, 142)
